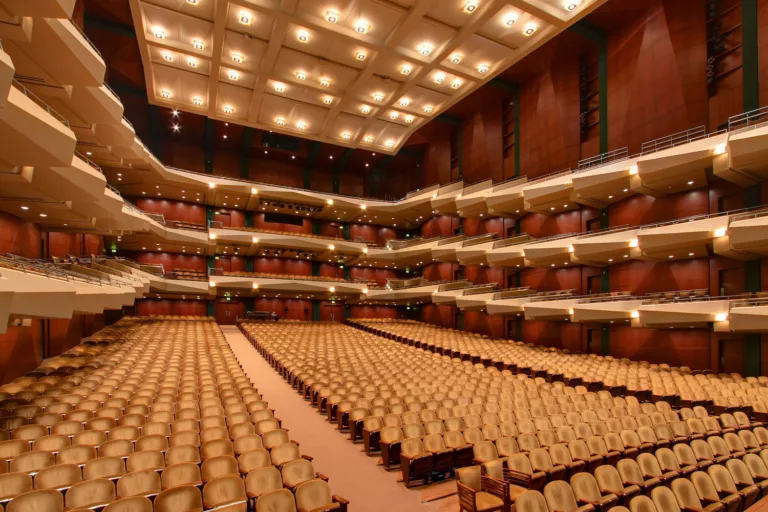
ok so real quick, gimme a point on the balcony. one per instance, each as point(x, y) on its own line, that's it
point(510, 252)
point(683, 238)
point(686, 309)
point(749, 315)
point(512, 301)
point(256, 283)
point(7, 70)
point(446, 250)
point(747, 236)
point(257, 240)
point(556, 251)
point(506, 199)
point(32, 134)
point(41, 8)
point(447, 294)
point(474, 251)
point(476, 297)
point(620, 307)
point(413, 251)
point(606, 247)
point(551, 308)
point(605, 179)
point(678, 162)
point(444, 199)
point(471, 203)
point(746, 159)
point(550, 194)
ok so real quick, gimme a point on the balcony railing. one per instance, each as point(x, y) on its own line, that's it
point(85, 37)
point(522, 238)
point(616, 155)
point(29, 94)
point(670, 141)
point(550, 176)
point(88, 161)
point(748, 120)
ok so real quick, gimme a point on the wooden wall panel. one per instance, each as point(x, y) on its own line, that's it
point(483, 143)
point(379, 234)
point(369, 311)
point(642, 277)
point(296, 307)
point(173, 210)
point(676, 347)
point(19, 237)
point(380, 275)
point(439, 226)
point(439, 315)
point(171, 261)
point(148, 307)
point(439, 271)
point(477, 321)
point(260, 223)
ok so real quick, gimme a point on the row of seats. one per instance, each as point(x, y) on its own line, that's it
point(267, 275)
point(183, 224)
point(150, 414)
point(285, 233)
point(679, 386)
point(435, 416)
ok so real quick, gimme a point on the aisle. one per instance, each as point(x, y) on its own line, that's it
point(353, 475)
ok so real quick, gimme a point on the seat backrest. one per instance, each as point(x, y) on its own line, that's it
point(12, 484)
point(704, 486)
point(685, 494)
point(642, 504)
point(224, 489)
point(531, 501)
point(665, 500)
point(313, 494)
point(182, 497)
point(630, 472)
point(90, 492)
point(722, 479)
point(608, 479)
point(48, 500)
point(262, 480)
point(280, 500)
point(585, 487)
point(559, 496)
point(739, 472)
point(58, 477)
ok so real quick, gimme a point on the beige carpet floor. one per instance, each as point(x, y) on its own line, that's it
point(353, 474)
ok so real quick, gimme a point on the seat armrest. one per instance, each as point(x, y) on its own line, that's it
point(608, 498)
point(416, 456)
point(495, 486)
point(630, 489)
point(466, 497)
point(651, 482)
point(307, 457)
point(321, 476)
point(343, 503)
point(585, 508)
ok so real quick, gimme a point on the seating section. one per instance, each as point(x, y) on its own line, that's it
point(284, 233)
point(187, 275)
point(182, 224)
point(510, 436)
point(266, 275)
point(151, 413)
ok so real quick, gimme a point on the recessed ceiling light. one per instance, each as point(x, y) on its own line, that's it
point(530, 28)
point(439, 77)
point(159, 32)
point(456, 83)
point(394, 115)
point(328, 100)
point(25, 207)
point(346, 136)
point(428, 109)
point(409, 119)
point(234, 75)
point(456, 58)
point(193, 2)
point(406, 69)
point(43, 214)
point(88, 153)
point(368, 139)
point(390, 144)
point(165, 94)
point(302, 36)
point(237, 57)
point(365, 109)
point(279, 87)
point(229, 110)
point(246, 18)
point(301, 75)
point(571, 4)
point(510, 19)
point(690, 254)
point(690, 183)
point(198, 44)
point(280, 121)
point(377, 96)
point(325, 82)
point(483, 68)
point(470, 6)
point(331, 16)
point(301, 125)
point(362, 26)
point(192, 62)
point(176, 128)
point(425, 49)
point(168, 56)
point(360, 55)
point(197, 101)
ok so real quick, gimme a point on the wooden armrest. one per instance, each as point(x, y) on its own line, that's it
point(307, 457)
point(321, 477)
point(495, 486)
point(341, 502)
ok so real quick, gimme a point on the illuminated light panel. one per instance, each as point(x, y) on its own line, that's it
point(237, 58)
point(439, 77)
point(406, 69)
point(362, 27)
point(529, 29)
point(331, 16)
point(245, 18)
point(425, 49)
point(302, 36)
point(159, 32)
point(509, 20)
point(721, 149)
point(165, 94)
point(470, 6)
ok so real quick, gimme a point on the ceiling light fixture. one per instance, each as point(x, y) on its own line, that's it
point(439, 77)
point(229, 110)
point(346, 136)
point(394, 115)
point(246, 18)
point(428, 109)
point(328, 100)
point(404, 102)
point(483, 68)
point(302, 36)
point(530, 28)
point(280, 121)
point(470, 6)
point(165, 94)
point(198, 44)
point(425, 49)
point(301, 75)
point(409, 119)
point(571, 4)
point(168, 57)
point(456, 84)
point(159, 32)
point(377, 96)
point(301, 125)
point(510, 19)
point(192, 63)
point(325, 82)
point(390, 144)
point(369, 139)
point(362, 27)
point(331, 16)
point(406, 69)
point(197, 101)
point(234, 75)
point(365, 109)
point(279, 87)
point(360, 55)
point(238, 58)
point(456, 58)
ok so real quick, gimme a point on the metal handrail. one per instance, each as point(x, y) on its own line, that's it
point(748, 120)
point(702, 298)
point(704, 216)
point(157, 217)
point(88, 161)
point(522, 238)
point(510, 293)
point(40, 103)
point(554, 237)
point(620, 296)
point(113, 189)
point(509, 180)
point(560, 295)
point(616, 155)
point(550, 176)
point(82, 33)
point(49, 269)
point(670, 141)
point(608, 231)
point(480, 239)
point(757, 301)
point(479, 289)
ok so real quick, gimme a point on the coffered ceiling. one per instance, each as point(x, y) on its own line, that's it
point(356, 73)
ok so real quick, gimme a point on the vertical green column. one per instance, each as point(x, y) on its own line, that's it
point(749, 55)
point(315, 268)
point(753, 278)
point(519, 329)
point(315, 311)
point(210, 134)
point(345, 231)
point(211, 308)
point(249, 219)
point(347, 273)
point(315, 227)
point(598, 36)
point(249, 264)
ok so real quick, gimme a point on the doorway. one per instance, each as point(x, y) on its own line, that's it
point(224, 218)
point(227, 312)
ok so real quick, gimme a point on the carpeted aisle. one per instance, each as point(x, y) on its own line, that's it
point(353, 475)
